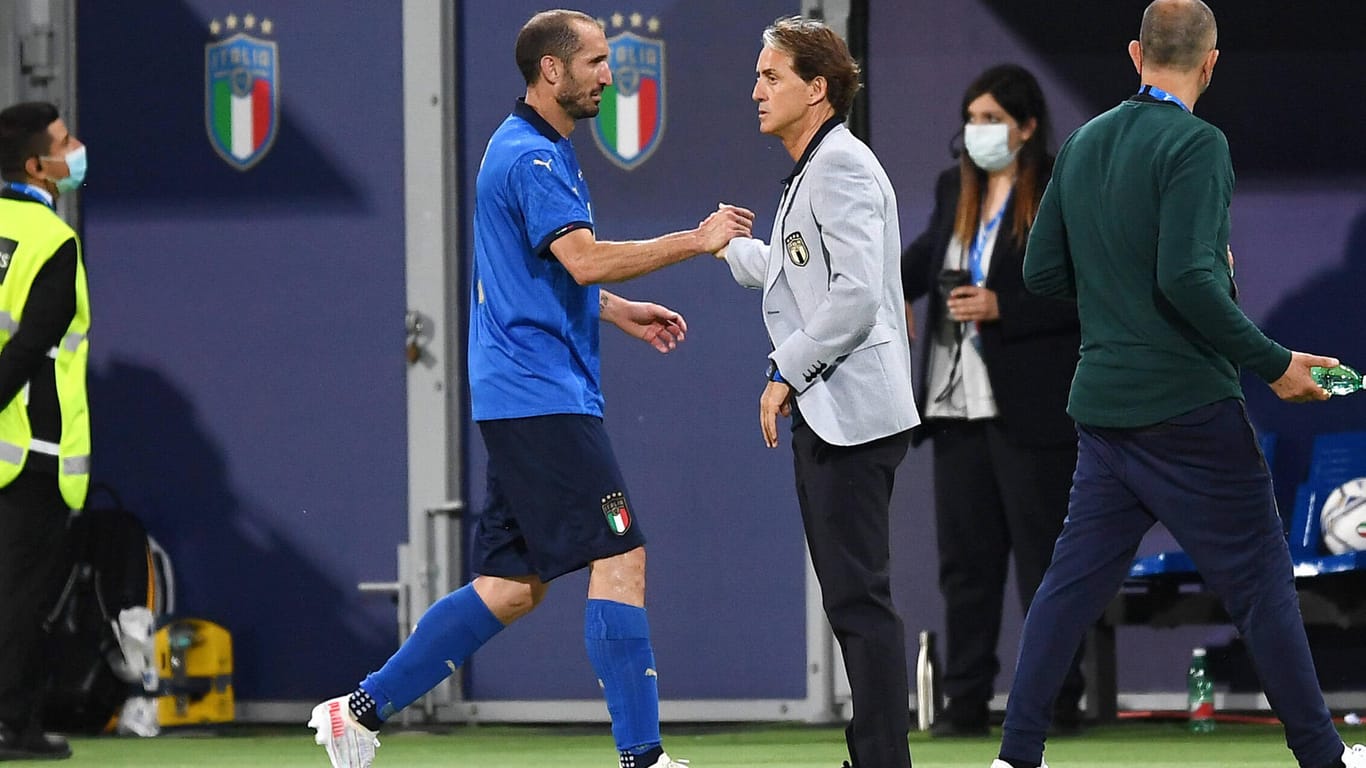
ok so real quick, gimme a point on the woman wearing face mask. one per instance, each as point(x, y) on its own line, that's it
point(995, 369)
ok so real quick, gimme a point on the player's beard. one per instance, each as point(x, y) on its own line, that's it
point(577, 100)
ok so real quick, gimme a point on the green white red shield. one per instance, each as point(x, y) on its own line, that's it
point(631, 119)
point(241, 99)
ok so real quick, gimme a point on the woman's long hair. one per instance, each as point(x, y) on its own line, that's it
point(1018, 93)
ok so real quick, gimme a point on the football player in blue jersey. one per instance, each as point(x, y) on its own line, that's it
point(557, 502)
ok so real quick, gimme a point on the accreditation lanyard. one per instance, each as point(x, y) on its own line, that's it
point(1161, 95)
point(979, 244)
point(979, 278)
point(30, 191)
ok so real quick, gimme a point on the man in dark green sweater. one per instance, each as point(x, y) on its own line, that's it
point(1134, 226)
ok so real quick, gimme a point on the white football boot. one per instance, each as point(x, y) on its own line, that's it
point(1004, 764)
point(1354, 756)
point(665, 761)
point(348, 743)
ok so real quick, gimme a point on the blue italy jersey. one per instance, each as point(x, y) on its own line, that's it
point(533, 344)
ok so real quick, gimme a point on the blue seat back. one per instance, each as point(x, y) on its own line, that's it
point(1267, 442)
point(1306, 532)
point(1335, 459)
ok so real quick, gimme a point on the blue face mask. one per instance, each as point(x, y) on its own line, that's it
point(75, 166)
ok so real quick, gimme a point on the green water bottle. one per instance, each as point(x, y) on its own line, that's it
point(1199, 694)
point(1338, 381)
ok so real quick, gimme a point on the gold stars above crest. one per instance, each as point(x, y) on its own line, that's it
point(246, 23)
point(635, 20)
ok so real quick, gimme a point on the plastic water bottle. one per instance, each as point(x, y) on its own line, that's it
point(1341, 380)
point(1199, 694)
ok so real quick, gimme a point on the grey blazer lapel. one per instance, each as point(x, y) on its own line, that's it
point(785, 207)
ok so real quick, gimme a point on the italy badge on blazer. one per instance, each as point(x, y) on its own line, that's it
point(796, 249)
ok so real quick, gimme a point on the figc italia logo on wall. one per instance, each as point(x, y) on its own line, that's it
point(241, 89)
point(631, 120)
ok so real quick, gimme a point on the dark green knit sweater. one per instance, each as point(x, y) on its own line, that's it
point(1134, 225)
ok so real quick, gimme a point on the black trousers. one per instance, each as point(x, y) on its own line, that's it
point(844, 493)
point(34, 565)
point(993, 498)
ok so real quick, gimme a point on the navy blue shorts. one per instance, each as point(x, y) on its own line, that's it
point(556, 500)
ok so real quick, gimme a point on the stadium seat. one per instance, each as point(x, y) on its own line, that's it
point(1164, 590)
point(1335, 459)
point(1163, 563)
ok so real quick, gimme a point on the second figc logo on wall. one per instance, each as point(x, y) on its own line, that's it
point(631, 120)
point(241, 89)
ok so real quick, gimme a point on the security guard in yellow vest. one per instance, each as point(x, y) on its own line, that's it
point(44, 421)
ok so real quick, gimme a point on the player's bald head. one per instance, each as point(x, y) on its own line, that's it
point(1177, 34)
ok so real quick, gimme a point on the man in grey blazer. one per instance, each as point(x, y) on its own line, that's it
point(840, 365)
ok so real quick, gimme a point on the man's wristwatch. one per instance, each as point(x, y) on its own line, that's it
point(773, 374)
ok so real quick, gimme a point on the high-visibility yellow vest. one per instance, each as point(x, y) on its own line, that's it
point(30, 234)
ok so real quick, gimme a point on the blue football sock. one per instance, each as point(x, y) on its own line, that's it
point(446, 635)
point(618, 640)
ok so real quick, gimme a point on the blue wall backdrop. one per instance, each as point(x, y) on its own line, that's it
point(247, 378)
point(247, 374)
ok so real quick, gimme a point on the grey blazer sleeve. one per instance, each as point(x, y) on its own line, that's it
point(748, 261)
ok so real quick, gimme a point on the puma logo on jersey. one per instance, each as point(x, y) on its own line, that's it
point(546, 163)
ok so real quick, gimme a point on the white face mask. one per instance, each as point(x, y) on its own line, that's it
point(988, 145)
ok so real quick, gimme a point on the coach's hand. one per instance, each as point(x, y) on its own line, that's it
point(776, 401)
point(1296, 385)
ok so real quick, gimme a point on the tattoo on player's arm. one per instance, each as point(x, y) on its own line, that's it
point(605, 305)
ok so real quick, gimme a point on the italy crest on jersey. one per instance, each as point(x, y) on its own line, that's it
point(631, 120)
point(241, 90)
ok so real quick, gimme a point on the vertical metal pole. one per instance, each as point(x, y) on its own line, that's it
point(38, 63)
point(820, 655)
point(435, 304)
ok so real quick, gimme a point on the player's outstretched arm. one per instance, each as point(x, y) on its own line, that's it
point(591, 261)
point(656, 325)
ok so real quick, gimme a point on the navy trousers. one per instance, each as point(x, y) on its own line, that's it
point(1203, 476)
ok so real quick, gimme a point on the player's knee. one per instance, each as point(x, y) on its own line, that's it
point(510, 599)
point(517, 602)
point(537, 592)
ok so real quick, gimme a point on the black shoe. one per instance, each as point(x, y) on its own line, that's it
point(32, 745)
point(948, 728)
